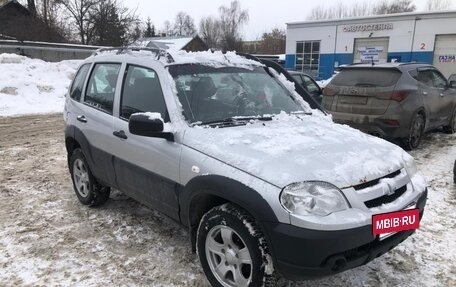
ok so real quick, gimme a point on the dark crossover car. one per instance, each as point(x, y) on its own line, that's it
point(231, 149)
point(394, 101)
point(309, 84)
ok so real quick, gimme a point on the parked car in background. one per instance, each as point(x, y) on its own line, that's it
point(309, 84)
point(394, 101)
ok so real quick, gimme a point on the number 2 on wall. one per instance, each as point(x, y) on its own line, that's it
point(423, 46)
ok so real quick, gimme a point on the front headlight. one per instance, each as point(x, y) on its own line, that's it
point(313, 198)
point(410, 165)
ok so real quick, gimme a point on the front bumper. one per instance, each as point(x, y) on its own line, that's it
point(301, 254)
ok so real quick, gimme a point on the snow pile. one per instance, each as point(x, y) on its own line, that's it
point(31, 86)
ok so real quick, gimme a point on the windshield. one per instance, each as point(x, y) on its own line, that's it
point(210, 94)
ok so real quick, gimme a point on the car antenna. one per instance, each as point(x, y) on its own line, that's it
point(372, 59)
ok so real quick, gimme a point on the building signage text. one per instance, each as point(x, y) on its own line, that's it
point(447, 59)
point(368, 27)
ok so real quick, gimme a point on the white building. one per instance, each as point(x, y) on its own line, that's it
point(317, 47)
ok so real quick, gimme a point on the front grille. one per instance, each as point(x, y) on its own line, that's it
point(376, 181)
point(386, 198)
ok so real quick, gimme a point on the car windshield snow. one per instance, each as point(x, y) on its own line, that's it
point(229, 95)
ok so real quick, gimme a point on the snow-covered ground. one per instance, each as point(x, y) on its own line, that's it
point(30, 86)
point(48, 239)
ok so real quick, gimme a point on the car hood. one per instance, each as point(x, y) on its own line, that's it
point(292, 149)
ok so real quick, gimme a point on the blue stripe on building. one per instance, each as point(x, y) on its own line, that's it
point(328, 61)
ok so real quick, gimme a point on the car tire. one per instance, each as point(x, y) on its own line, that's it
point(451, 127)
point(86, 187)
point(233, 250)
point(454, 172)
point(415, 133)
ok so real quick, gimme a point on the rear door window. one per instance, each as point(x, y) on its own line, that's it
point(311, 85)
point(78, 83)
point(363, 77)
point(431, 78)
point(439, 80)
point(102, 86)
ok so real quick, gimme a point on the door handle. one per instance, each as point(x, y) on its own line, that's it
point(82, 119)
point(442, 94)
point(425, 93)
point(120, 134)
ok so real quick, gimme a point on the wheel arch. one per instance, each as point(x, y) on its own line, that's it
point(202, 193)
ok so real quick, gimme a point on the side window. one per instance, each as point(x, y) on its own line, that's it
point(102, 87)
point(439, 80)
point(78, 82)
point(311, 86)
point(425, 77)
point(142, 93)
point(298, 79)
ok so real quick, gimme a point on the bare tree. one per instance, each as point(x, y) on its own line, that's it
point(167, 28)
point(438, 5)
point(80, 11)
point(359, 9)
point(184, 25)
point(232, 19)
point(209, 30)
point(392, 7)
point(273, 42)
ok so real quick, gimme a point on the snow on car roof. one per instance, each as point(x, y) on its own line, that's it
point(213, 58)
point(173, 57)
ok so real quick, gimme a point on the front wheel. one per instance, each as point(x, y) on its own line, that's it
point(87, 189)
point(415, 134)
point(451, 127)
point(233, 250)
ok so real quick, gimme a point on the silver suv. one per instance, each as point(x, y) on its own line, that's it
point(394, 101)
point(266, 185)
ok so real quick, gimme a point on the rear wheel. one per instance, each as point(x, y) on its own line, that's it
point(87, 189)
point(451, 127)
point(415, 134)
point(233, 250)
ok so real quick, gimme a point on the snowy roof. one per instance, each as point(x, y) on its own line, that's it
point(167, 43)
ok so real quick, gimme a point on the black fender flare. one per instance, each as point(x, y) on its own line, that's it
point(227, 189)
point(73, 133)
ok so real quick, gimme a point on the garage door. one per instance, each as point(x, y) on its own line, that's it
point(371, 49)
point(445, 54)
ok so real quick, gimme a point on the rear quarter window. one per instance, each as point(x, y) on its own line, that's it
point(367, 77)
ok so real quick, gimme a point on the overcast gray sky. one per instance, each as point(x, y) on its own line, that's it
point(264, 15)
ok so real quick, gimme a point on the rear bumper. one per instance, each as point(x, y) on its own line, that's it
point(306, 254)
point(378, 125)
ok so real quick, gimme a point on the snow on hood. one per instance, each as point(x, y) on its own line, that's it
point(292, 149)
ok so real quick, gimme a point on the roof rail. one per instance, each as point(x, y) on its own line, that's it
point(120, 50)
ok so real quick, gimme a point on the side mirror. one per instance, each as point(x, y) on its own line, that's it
point(144, 125)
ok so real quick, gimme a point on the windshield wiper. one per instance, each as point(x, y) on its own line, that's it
point(234, 121)
point(301, 113)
